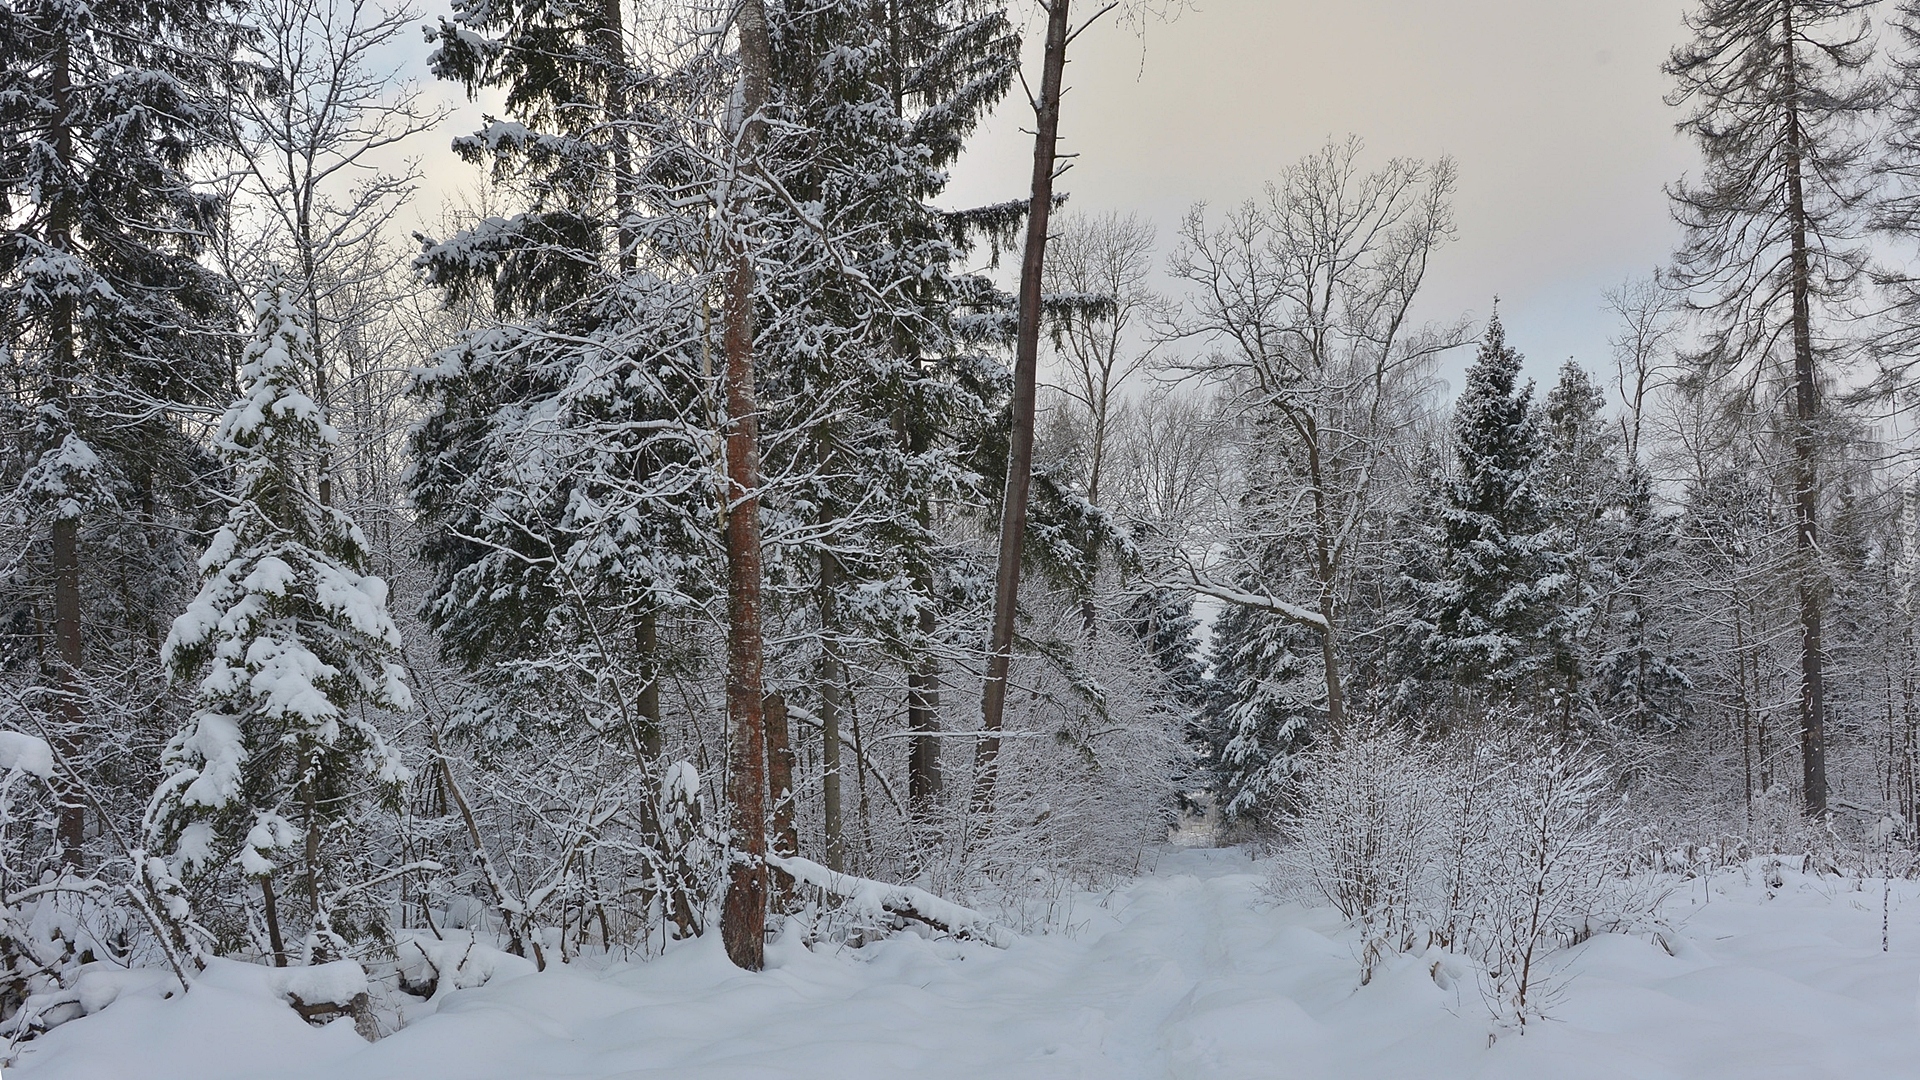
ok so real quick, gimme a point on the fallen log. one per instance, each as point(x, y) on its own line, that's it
point(900, 901)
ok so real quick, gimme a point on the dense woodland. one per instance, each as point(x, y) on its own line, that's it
point(704, 520)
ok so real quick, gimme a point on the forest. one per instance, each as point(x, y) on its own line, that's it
point(698, 537)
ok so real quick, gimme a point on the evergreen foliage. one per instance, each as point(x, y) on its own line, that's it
point(288, 638)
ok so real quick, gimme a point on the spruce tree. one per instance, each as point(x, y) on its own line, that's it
point(1578, 478)
point(108, 322)
point(865, 351)
point(289, 638)
point(1482, 603)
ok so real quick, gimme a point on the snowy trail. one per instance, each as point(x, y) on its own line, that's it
point(1189, 972)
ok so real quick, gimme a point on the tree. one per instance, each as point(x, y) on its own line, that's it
point(1303, 304)
point(288, 637)
point(111, 322)
point(865, 360)
point(1581, 485)
point(1645, 683)
point(744, 911)
point(1013, 505)
point(1479, 605)
point(569, 467)
point(1776, 93)
point(308, 122)
point(1105, 262)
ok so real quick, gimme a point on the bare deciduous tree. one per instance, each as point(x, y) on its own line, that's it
point(1303, 304)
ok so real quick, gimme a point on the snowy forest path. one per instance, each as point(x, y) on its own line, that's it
point(1193, 970)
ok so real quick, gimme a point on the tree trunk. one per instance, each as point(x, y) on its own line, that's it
point(831, 674)
point(743, 916)
point(613, 46)
point(1013, 510)
point(652, 743)
point(271, 907)
point(71, 824)
point(924, 779)
point(1806, 490)
point(781, 839)
point(780, 763)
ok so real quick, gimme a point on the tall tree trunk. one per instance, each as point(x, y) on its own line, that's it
point(1325, 572)
point(71, 824)
point(925, 781)
point(1806, 490)
point(613, 46)
point(1013, 510)
point(831, 674)
point(743, 915)
point(924, 777)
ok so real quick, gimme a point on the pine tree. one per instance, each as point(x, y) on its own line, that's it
point(289, 638)
point(1778, 94)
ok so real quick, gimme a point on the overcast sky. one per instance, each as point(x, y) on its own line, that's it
point(1552, 109)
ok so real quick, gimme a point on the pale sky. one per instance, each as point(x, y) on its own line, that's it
point(1552, 109)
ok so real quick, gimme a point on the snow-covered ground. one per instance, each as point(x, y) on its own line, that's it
point(1192, 971)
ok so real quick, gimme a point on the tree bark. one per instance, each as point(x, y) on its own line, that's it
point(1013, 510)
point(71, 822)
point(780, 775)
point(925, 782)
point(652, 743)
point(743, 916)
point(620, 152)
point(781, 839)
point(271, 906)
point(1806, 489)
point(831, 674)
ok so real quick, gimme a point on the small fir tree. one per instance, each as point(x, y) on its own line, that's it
point(289, 638)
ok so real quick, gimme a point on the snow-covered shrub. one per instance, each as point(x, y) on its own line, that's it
point(1371, 836)
point(1550, 877)
point(1499, 849)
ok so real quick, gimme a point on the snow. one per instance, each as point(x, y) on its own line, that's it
point(1259, 601)
point(23, 753)
point(878, 898)
point(1195, 970)
point(334, 983)
point(455, 960)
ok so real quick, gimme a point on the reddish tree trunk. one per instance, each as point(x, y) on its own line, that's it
point(782, 837)
point(71, 824)
point(743, 914)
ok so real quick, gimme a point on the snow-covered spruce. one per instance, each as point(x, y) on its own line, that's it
point(291, 642)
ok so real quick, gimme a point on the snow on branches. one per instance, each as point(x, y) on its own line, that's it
point(287, 637)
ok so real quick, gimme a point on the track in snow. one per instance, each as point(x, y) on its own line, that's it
point(1188, 972)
